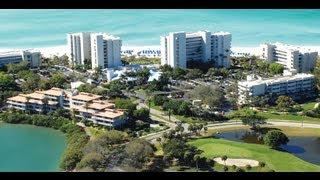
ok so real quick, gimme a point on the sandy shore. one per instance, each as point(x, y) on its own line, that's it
point(63, 49)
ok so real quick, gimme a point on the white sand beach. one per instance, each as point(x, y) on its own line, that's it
point(63, 49)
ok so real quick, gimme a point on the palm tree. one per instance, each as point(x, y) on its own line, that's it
point(205, 130)
point(224, 158)
point(169, 114)
point(261, 164)
point(27, 104)
point(86, 106)
point(73, 114)
point(196, 158)
point(45, 102)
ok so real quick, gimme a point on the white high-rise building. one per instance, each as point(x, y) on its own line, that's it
point(220, 48)
point(179, 47)
point(79, 47)
point(102, 49)
point(291, 57)
point(105, 50)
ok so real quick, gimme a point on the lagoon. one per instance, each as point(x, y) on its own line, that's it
point(26, 148)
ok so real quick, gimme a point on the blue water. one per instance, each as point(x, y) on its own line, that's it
point(45, 28)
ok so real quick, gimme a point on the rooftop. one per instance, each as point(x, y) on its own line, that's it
point(221, 33)
point(22, 99)
point(275, 79)
point(292, 47)
point(110, 113)
point(86, 97)
point(100, 105)
point(52, 92)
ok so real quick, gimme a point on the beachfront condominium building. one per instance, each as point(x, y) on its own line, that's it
point(105, 50)
point(293, 85)
point(13, 57)
point(179, 47)
point(291, 57)
point(85, 105)
point(79, 47)
point(102, 49)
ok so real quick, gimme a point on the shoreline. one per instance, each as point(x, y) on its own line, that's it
point(63, 49)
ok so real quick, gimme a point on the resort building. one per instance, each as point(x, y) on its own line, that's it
point(79, 47)
point(85, 105)
point(293, 85)
point(105, 50)
point(179, 47)
point(102, 49)
point(291, 57)
point(13, 57)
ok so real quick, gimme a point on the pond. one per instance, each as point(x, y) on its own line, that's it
point(26, 148)
point(306, 148)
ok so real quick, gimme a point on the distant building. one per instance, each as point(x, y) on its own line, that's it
point(291, 85)
point(13, 57)
point(102, 49)
point(105, 50)
point(85, 105)
point(179, 47)
point(79, 47)
point(291, 57)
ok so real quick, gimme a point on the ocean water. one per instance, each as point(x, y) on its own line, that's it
point(45, 28)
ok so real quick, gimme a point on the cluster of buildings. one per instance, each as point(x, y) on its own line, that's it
point(85, 105)
point(14, 57)
point(180, 47)
point(295, 81)
point(102, 49)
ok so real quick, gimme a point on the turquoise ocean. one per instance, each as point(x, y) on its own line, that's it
point(45, 28)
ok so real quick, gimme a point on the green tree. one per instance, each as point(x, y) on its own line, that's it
point(261, 164)
point(45, 102)
point(225, 168)
point(224, 159)
point(142, 114)
point(196, 158)
point(194, 74)
point(252, 119)
point(27, 104)
point(138, 153)
point(15, 68)
point(275, 68)
point(211, 95)
point(169, 113)
point(143, 75)
point(285, 103)
point(44, 84)
point(275, 138)
point(126, 104)
point(92, 160)
point(57, 80)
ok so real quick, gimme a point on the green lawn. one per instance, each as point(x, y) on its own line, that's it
point(309, 105)
point(283, 116)
point(276, 160)
point(153, 106)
